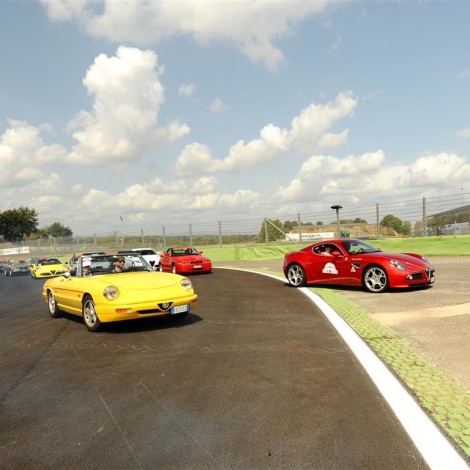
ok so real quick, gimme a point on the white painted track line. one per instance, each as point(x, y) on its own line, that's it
point(435, 448)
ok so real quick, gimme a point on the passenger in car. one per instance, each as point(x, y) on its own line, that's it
point(327, 251)
point(119, 265)
point(86, 263)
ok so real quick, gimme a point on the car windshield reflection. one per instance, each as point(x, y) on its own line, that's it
point(113, 264)
point(354, 247)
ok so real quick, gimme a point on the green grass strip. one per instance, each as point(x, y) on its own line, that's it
point(445, 400)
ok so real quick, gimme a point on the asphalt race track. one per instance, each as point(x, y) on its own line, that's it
point(256, 377)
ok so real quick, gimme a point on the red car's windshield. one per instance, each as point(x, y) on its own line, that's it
point(354, 247)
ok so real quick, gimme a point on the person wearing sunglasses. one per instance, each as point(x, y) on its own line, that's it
point(119, 265)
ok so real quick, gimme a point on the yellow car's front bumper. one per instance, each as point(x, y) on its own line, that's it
point(115, 311)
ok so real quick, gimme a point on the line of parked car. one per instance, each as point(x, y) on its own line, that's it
point(177, 260)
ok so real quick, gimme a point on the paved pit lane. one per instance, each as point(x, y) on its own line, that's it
point(256, 377)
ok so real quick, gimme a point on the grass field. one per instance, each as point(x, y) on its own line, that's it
point(427, 246)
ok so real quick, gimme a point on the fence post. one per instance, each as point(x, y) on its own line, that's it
point(164, 237)
point(377, 219)
point(190, 235)
point(142, 236)
point(299, 223)
point(425, 223)
point(220, 233)
point(266, 237)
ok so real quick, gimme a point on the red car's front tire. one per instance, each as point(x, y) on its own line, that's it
point(375, 279)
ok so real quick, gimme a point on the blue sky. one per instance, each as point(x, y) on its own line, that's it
point(199, 111)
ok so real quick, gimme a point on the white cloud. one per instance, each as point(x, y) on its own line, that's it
point(123, 125)
point(217, 106)
point(23, 151)
point(310, 131)
point(309, 128)
point(369, 174)
point(252, 26)
point(464, 133)
point(186, 89)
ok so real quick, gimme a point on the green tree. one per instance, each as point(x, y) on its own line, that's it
point(274, 228)
point(396, 224)
point(58, 230)
point(289, 225)
point(16, 223)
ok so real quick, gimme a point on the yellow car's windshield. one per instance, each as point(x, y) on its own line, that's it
point(112, 264)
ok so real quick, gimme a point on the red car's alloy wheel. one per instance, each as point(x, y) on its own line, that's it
point(375, 279)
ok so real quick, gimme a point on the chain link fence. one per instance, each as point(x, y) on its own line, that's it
point(432, 216)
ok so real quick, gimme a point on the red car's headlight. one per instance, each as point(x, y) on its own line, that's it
point(398, 265)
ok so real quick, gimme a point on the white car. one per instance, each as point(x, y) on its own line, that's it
point(150, 255)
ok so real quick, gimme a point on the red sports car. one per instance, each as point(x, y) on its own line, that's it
point(184, 260)
point(351, 262)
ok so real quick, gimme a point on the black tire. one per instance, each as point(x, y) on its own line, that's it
point(375, 279)
point(90, 317)
point(296, 275)
point(54, 310)
point(173, 268)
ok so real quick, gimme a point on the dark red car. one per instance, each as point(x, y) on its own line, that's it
point(184, 260)
point(352, 262)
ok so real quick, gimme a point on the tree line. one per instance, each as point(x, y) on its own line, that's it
point(276, 229)
point(17, 224)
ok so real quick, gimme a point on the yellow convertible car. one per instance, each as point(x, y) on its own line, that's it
point(49, 267)
point(108, 288)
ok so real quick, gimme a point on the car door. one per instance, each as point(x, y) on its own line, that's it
point(68, 293)
point(165, 260)
point(333, 269)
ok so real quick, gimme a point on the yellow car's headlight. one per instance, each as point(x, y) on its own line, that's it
point(186, 283)
point(111, 293)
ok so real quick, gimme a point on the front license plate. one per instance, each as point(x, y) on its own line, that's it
point(179, 309)
point(197, 266)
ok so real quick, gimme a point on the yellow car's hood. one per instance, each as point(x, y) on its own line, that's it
point(141, 281)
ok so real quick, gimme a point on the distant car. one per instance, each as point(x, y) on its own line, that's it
point(184, 260)
point(18, 268)
point(49, 267)
point(32, 264)
point(150, 255)
point(107, 296)
point(356, 263)
point(4, 264)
